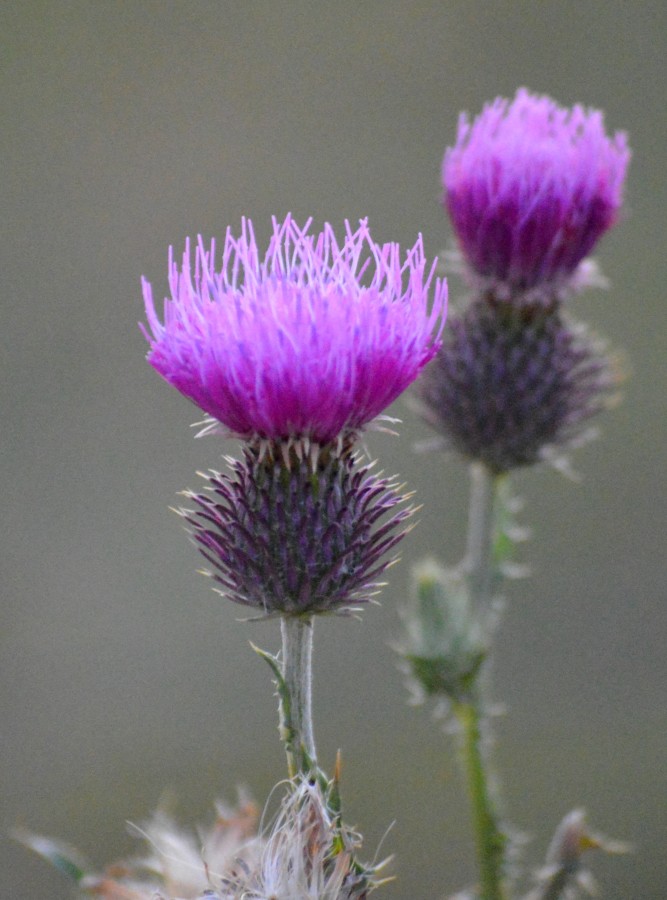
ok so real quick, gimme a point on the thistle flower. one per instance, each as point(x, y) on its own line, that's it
point(515, 385)
point(530, 188)
point(296, 354)
point(299, 533)
point(313, 342)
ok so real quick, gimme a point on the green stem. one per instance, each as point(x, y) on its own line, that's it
point(489, 840)
point(470, 710)
point(297, 660)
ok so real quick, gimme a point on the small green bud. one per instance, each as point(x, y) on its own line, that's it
point(444, 643)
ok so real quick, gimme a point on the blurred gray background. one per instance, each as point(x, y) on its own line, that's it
point(127, 126)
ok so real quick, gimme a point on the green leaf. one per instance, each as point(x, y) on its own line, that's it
point(285, 701)
point(63, 857)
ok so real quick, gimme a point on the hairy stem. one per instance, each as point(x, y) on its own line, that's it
point(297, 660)
point(479, 548)
point(471, 711)
point(489, 839)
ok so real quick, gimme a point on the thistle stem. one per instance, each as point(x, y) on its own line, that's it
point(479, 548)
point(471, 710)
point(490, 841)
point(297, 660)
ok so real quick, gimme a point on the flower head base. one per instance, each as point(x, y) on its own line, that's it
point(512, 384)
point(313, 341)
point(294, 529)
point(530, 188)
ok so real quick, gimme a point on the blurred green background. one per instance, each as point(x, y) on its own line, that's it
point(127, 126)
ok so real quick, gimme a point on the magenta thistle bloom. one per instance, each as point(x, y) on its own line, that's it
point(314, 341)
point(530, 188)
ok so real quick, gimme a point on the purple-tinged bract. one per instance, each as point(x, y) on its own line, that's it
point(512, 385)
point(305, 530)
point(530, 188)
point(315, 340)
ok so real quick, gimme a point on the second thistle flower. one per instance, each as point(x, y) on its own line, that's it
point(530, 187)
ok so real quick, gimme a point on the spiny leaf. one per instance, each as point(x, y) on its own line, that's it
point(285, 727)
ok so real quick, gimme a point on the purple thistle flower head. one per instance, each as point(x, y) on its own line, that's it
point(530, 188)
point(313, 341)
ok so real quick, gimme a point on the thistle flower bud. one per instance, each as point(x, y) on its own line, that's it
point(444, 645)
point(530, 188)
point(295, 528)
point(513, 384)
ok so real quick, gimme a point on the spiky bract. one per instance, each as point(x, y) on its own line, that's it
point(513, 383)
point(294, 529)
